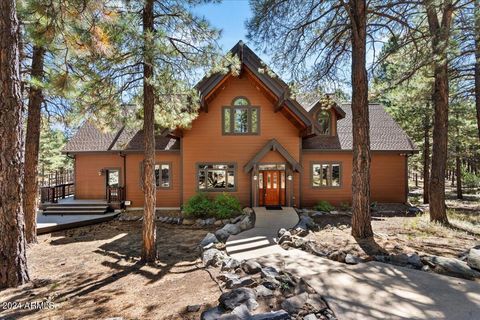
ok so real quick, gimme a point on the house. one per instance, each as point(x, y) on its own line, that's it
point(251, 140)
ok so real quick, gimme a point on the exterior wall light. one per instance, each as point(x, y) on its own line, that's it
point(289, 177)
point(101, 172)
point(255, 177)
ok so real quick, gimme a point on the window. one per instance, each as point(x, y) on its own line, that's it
point(162, 175)
point(323, 119)
point(216, 177)
point(240, 118)
point(326, 175)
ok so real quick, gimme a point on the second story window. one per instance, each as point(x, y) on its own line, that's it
point(240, 118)
point(323, 119)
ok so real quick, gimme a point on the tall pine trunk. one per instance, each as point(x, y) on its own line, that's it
point(149, 231)
point(426, 158)
point(440, 35)
point(13, 260)
point(361, 218)
point(35, 100)
point(477, 62)
point(458, 161)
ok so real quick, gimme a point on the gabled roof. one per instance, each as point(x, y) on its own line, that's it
point(385, 133)
point(89, 138)
point(277, 86)
point(273, 145)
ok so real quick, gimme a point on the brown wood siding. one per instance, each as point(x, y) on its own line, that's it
point(89, 185)
point(387, 178)
point(204, 142)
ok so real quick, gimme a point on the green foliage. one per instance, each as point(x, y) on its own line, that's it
point(226, 206)
point(323, 205)
point(345, 206)
point(198, 206)
point(51, 157)
point(470, 180)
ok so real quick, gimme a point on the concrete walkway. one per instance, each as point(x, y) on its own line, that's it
point(364, 291)
point(376, 290)
point(261, 240)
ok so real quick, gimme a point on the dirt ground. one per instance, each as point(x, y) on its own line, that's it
point(94, 273)
point(396, 231)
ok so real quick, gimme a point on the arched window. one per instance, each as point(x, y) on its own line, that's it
point(323, 119)
point(240, 118)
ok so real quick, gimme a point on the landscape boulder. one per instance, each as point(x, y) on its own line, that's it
point(234, 298)
point(230, 264)
point(473, 259)
point(213, 257)
point(245, 223)
point(251, 267)
point(450, 266)
point(351, 259)
point(188, 222)
point(232, 228)
point(274, 315)
point(240, 282)
point(269, 272)
point(209, 238)
point(247, 210)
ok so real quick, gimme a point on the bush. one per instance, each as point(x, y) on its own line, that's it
point(323, 206)
point(471, 180)
point(225, 206)
point(345, 206)
point(198, 206)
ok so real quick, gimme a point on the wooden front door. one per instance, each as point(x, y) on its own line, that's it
point(272, 188)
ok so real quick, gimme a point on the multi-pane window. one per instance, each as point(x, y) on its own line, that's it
point(323, 119)
point(216, 177)
point(162, 175)
point(240, 118)
point(326, 175)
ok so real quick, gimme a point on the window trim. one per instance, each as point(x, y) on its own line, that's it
point(329, 112)
point(235, 176)
point(340, 163)
point(157, 188)
point(249, 109)
point(169, 163)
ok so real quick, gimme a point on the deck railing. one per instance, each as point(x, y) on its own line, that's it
point(115, 194)
point(53, 193)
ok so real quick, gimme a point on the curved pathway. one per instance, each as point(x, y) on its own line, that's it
point(261, 240)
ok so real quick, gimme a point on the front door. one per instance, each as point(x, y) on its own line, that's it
point(272, 188)
point(112, 179)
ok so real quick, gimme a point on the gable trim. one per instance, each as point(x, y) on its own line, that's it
point(273, 145)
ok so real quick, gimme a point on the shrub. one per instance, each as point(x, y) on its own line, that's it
point(471, 180)
point(225, 206)
point(345, 206)
point(323, 206)
point(198, 206)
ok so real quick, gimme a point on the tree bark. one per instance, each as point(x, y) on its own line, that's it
point(361, 218)
point(440, 35)
point(426, 158)
point(149, 251)
point(35, 100)
point(477, 62)
point(13, 260)
point(458, 172)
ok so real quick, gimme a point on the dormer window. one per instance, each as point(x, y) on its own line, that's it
point(324, 122)
point(240, 118)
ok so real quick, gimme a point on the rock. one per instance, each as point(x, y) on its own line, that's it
point(236, 219)
point(271, 283)
point(473, 259)
point(230, 300)
point(251, 267)
point(241, 282)
point(210, 221)
point(231, 228)
point(240, 312)
point(337, 256)
point(286, 280)
point(299, 242)
point(230, 264)
point(209, 238)
point(281, 232)
point(399, 259)
point(451, 266)
point(263, 291)
point(212, 314)
point(351, 259)
point(218, 223)
point(286, 236)
point(247, 210)
point(314, 248)
point(245, 223)
point(310, 316)
point(274, 315)
point(317, 214)
point(269, 272)
point(415, 260)
point(213, 257)
point(200, 222)
point(222, 235)
point(414, 210)
point(227, 276)
point(188, 222)
point(294, 304)
point(193, 308)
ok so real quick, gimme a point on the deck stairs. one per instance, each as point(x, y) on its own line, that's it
point(76, 209)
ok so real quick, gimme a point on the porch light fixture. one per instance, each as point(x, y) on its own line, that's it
point(255, 177)
point(101, 172)
point(289, 177)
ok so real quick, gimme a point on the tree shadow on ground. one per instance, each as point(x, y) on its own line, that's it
point(371, 247)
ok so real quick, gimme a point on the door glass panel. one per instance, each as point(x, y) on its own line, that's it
point(269, 182)
point(282, 179)
point(260, 180)
point(275, 177)
point(113, 179)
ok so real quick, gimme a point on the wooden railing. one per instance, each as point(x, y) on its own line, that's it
point(57, 178)
point(53, 193)
point(115, 194)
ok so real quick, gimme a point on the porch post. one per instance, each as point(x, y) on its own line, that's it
point(254, 185)
point(289, 173)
